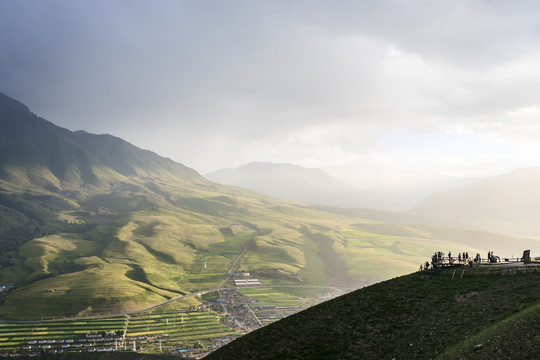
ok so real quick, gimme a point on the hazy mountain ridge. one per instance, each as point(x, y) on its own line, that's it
point(507, 203)
point(318, 187)
point(289, 181)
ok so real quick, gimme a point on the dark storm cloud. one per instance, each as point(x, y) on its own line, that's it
point(177, 75)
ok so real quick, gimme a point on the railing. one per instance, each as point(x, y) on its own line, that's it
point(491, 268)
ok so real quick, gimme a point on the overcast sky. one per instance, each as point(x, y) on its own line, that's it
point(415, 88)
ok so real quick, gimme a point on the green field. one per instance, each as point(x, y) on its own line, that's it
point(14, 336)
point(173, 329)
point(181, 328)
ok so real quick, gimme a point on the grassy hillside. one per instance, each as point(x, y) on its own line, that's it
point(478, 313)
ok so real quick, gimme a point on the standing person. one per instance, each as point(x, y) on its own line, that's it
point(459, 257)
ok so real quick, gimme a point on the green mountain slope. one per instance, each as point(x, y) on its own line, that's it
point(92, 224)
point(478, 314)
point(37, 153)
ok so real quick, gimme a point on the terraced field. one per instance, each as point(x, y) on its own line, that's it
point(182, 329)
point(17, 336)
point(151, 332)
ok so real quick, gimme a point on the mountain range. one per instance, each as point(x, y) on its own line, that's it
point(92, 224)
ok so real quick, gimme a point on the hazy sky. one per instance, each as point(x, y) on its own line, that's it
point(412, 87)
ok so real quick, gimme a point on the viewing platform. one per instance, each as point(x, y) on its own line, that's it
point(440, 260)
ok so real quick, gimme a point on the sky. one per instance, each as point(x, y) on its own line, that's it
point(375, 91)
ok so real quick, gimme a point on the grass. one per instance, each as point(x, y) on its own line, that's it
point(62, 294)
point(47, 255)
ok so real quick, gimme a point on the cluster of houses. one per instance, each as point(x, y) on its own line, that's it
point(243, 278)
point(247, 282)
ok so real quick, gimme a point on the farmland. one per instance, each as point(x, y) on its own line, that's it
point(147, 332)
point(188, 325)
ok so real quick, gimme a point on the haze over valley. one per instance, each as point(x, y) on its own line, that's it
point(315, 186)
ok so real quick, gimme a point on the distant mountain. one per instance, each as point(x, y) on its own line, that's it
point(288, 181)
point(507, 203)
point(318, 187)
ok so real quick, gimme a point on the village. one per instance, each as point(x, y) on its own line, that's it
point(237, 311)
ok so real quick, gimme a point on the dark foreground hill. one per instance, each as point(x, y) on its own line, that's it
point(478, 313)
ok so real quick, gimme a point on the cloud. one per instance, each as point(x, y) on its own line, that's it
point(317, 82)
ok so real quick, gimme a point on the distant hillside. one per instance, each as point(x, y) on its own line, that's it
point(36, 153)
point(507, 203)
point(288, 181)
point(471, 314)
